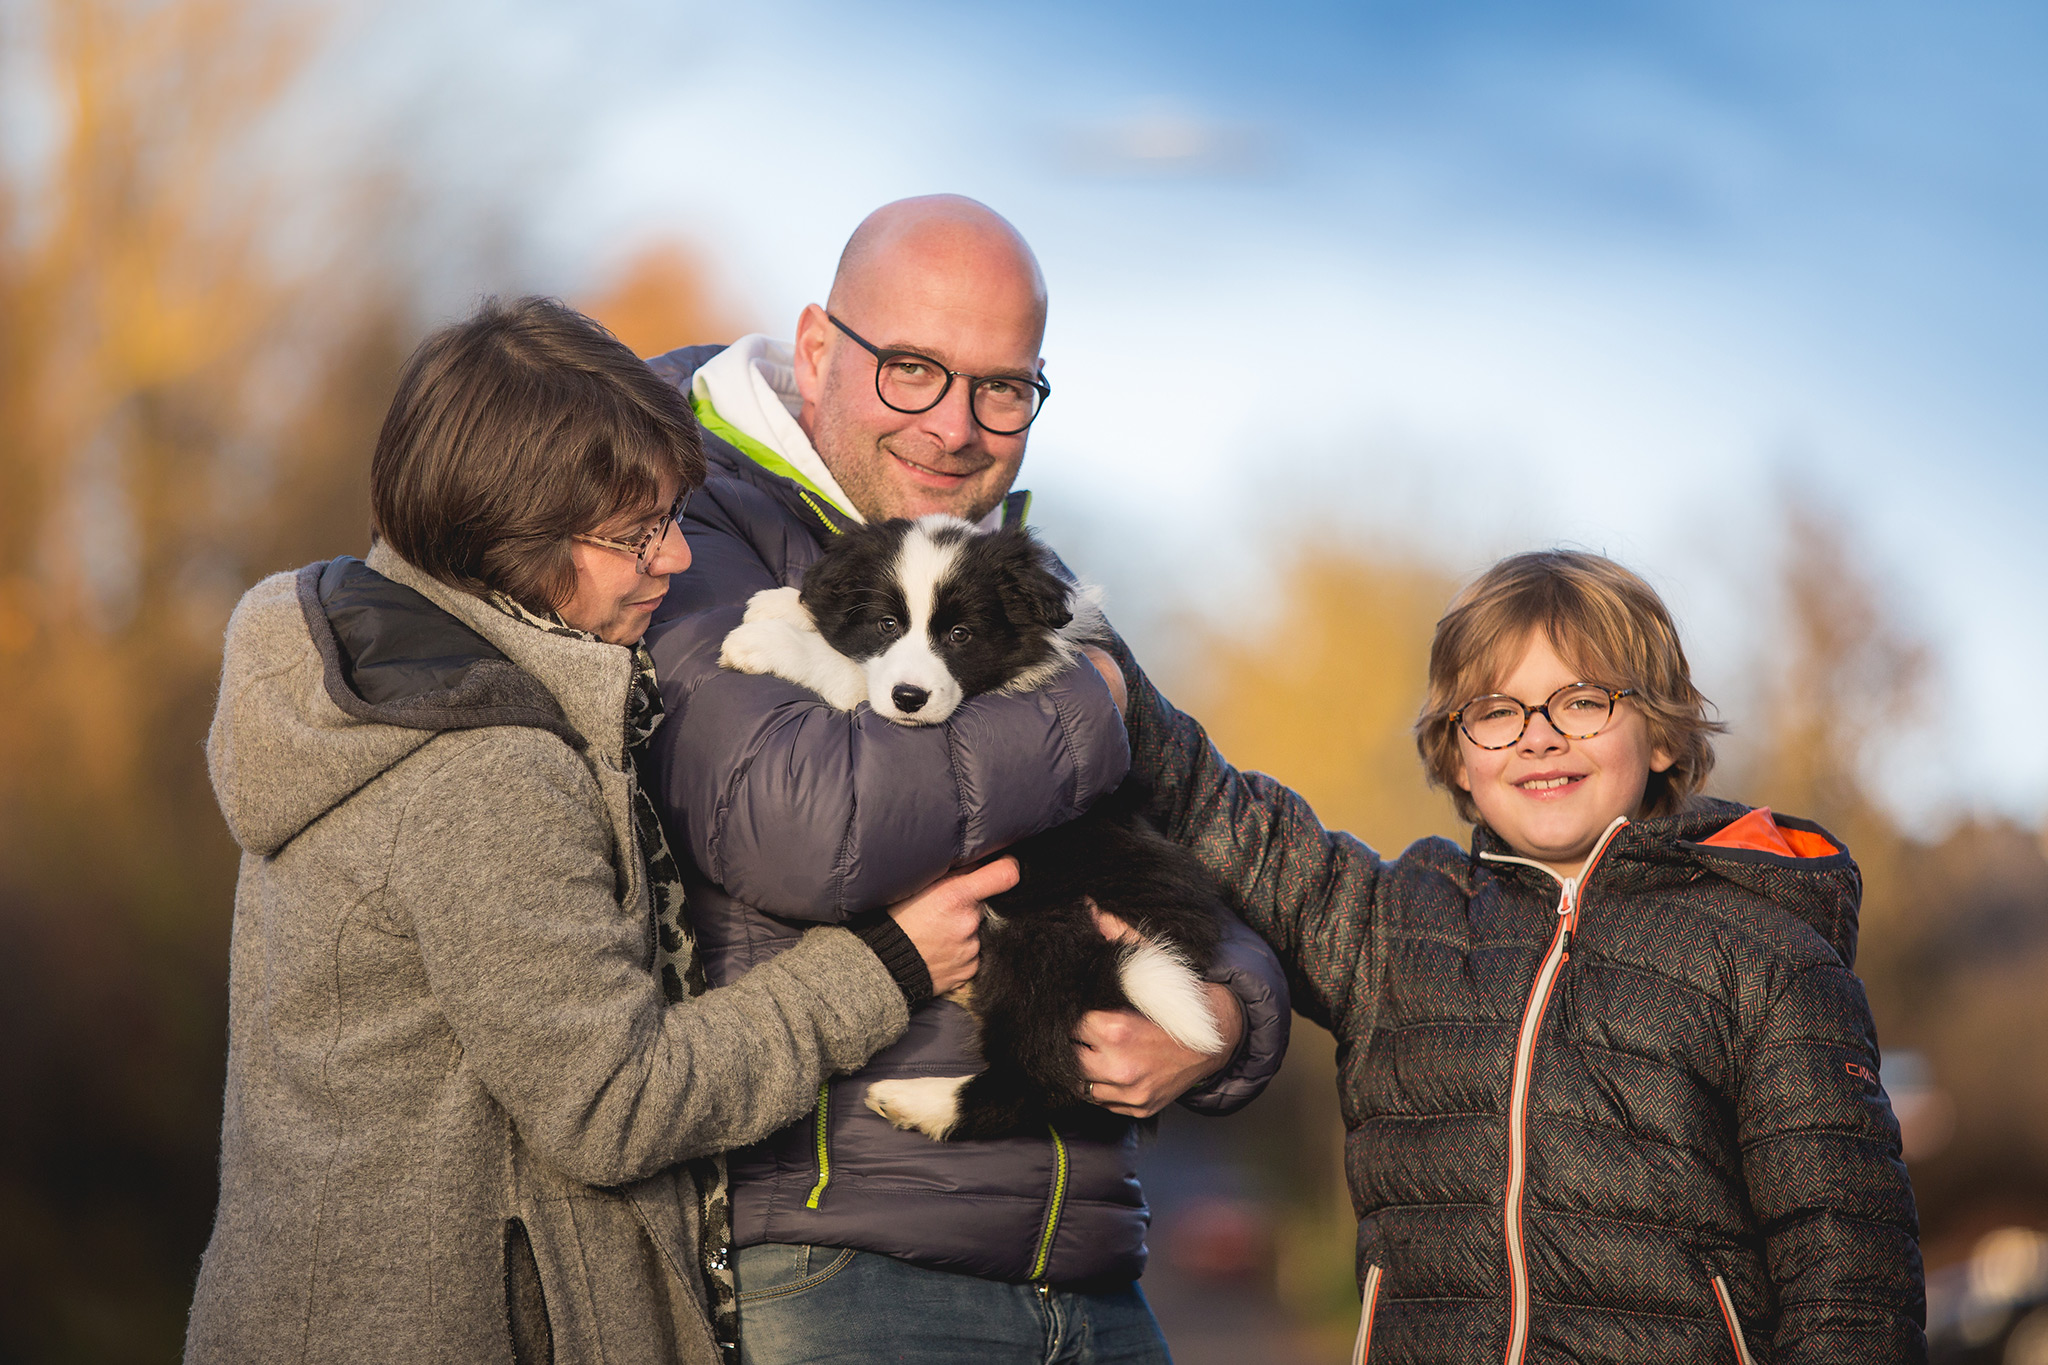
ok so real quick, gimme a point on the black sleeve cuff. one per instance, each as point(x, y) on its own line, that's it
point(881, 933)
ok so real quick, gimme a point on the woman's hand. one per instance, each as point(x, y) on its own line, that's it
point(943, 921)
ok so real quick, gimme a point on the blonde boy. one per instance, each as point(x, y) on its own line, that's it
point(1608, 1079)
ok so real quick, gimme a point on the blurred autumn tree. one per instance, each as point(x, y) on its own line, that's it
point(1954, 941)
point(660, 300)
point(179, 413)
point(187, 403)
point(1324, 701)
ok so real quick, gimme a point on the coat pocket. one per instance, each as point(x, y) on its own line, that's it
point(526, 1303)
point(1368, 1309)
point(1732, 1322)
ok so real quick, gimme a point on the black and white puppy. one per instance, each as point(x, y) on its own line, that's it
point(913, 618)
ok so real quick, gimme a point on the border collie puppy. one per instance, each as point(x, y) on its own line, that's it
point(913, 618)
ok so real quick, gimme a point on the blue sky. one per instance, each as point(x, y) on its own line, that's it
point(1375, 271)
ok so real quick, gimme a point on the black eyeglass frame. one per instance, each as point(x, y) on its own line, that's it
point(1614, 696)
point(651, 540)
point(974, 382)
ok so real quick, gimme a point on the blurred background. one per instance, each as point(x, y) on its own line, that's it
point(1347, 301)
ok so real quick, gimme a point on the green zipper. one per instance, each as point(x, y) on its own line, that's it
point(1054, 1206)
point(824, 1150)
point(708, 417)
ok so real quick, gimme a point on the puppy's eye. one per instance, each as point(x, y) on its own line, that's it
point(959, 635)
point(888, 626)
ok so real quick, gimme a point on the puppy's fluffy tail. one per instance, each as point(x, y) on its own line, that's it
point(1166, 990)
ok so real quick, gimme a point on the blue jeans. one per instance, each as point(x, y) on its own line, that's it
point(810, 1305)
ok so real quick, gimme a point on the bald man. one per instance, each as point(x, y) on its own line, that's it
point(854, 1241)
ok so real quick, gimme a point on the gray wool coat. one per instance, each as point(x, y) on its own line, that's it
point(445, 1042)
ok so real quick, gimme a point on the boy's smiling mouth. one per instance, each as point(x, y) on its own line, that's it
point(1549, 782)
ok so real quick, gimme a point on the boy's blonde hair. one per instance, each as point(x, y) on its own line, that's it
point(1604, 621)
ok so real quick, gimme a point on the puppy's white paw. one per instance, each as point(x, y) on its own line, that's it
point(926, 1104)
point(779, 604)
point(759, 647)
point(788, 646)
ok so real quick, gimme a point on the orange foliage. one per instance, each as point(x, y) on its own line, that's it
point(659, 301)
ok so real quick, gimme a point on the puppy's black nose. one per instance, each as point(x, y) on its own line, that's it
point(908, 698)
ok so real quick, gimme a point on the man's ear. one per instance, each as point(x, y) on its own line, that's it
point(812, 347)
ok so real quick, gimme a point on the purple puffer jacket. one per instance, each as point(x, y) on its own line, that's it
point(790, 813)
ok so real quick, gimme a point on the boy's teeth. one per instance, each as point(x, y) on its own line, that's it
point(1547, 784)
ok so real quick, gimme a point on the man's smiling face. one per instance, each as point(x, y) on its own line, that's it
point(946, 283)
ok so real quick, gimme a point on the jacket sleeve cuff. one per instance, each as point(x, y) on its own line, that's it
point(1249, 968)
point(906, 965)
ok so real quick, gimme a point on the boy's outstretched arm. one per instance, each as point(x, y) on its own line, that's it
point(1307, 891)
point(1821, 1157)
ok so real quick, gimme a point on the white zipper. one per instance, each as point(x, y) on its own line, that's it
point(1362, 1347)
point(1518, 1091)
point(1727, 1302)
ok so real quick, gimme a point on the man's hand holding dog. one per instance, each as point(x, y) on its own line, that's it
point(1133, 1067)
point(943, 921)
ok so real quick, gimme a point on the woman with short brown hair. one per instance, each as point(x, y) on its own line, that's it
point(476, 1087)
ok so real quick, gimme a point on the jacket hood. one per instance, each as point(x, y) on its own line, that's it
point(337, 672)
point(1793, 863)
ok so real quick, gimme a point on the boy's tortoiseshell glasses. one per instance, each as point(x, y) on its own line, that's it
point(1577, 711)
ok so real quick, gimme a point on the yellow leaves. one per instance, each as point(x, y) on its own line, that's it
point(144, 273)
point(137, 289)
point(1325, 699)
point(17, 615)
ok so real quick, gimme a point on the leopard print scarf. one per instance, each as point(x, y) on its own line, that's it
point(675, 962)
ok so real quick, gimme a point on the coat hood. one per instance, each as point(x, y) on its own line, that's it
point(337, 672)
point(1793, 863)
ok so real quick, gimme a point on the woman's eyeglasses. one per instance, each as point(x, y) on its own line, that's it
point(650, 541)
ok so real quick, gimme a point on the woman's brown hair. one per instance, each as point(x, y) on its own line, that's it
point(514, 430)
point(1605, 622)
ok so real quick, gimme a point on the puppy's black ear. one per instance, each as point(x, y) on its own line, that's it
point(852, 559)
point(1030, 590)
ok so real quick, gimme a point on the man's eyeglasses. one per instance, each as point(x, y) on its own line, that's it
point(1002, 405)
point(648, 544)
point(1576, 711)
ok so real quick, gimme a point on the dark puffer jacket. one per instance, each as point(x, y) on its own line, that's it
point(794, 814)
point(1701, 1093)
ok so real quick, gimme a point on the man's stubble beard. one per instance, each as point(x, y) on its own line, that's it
point(861, 467)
